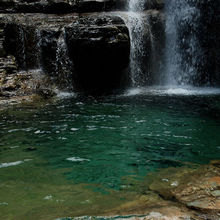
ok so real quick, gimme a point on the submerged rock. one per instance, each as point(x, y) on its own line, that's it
point(30, 149)
point(196, 188)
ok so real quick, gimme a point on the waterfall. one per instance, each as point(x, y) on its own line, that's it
point(136, 26)
point(140, 35)
point(182, 52)
point(63, 64)
point(22, 52)
point(136, 5)
point(38, 48)
point(137, 51)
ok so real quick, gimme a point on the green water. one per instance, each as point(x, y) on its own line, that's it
point(82, 156)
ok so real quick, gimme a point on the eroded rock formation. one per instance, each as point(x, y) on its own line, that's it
point(79, 46)
point(69, 6)
point(87, 52)
point(92, 49)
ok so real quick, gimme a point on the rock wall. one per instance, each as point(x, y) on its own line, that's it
point(89, 51)
point(79, 46)
point(209, 40)
point(69, 6)
point(73, 42)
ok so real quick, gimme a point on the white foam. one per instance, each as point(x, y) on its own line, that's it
point(155, 215)
point(74, 129)
point(2, 165)
point(183, 91)
point(77, 159)
point(3, 203)
point(15, 163)
point(134, 91)
point(49, 197)
point(26, 160)
point(63, 95)
point(175, 183)
point(12, 147)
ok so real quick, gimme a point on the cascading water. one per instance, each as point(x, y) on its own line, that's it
point(137, 51)
point(140, 34)
point(136, 5)
point(22, 55)
point(63, 62)
point(38, 48)
point(182, 51)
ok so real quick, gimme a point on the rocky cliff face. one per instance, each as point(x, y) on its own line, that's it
point(78, 45)
point(85, 51)
point(69, 6)
point(55, 6)
point(209, 39)
point(90, 49)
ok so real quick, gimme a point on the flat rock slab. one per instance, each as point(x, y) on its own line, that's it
point(196, 188)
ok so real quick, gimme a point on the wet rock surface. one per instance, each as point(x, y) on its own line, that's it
point(69, 6)
point(8, 77)
point(197, 189)
point(103, 44)
point(20, 87)
point(85, 51)
point(54, 6)
point(89, 51)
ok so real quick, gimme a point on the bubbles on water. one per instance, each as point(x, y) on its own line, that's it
point(63, 95)
point(3, 203)
point(91, 128)
point(74, 129)
point(133, 91)
point(177, 91)
point(15, 163)
point(2, 165)
point(12, 147)
point(49, 197)
point(76, 159)
point(175, 183)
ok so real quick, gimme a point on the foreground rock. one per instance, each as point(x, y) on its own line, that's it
point(197, 189)
point(183, 193)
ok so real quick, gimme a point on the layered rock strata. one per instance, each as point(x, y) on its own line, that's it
point(69, 6)
point(90, 49)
